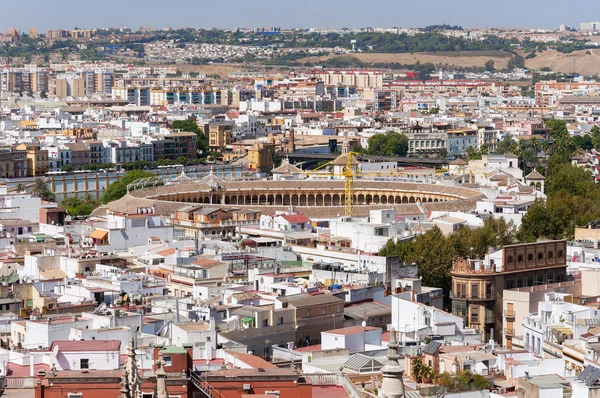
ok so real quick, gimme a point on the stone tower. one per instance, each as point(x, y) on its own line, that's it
point(392, 385)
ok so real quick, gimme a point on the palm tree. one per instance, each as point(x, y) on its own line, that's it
point(20, 188)
point(41, 190)
point(535, 145)
point(545, 146)
point(89, 200)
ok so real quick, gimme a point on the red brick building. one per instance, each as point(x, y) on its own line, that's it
point(235, 383)
point(128, 382)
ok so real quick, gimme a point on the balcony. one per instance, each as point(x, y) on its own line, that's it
point(509, 332)
point(471, 297)
point(509, 314)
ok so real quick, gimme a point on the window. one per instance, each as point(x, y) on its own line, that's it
point(280, 320)
point(75, 395)
point(308, 313)
point(84, 363)
point(168, 360)
point(530, 257)
point(510, 259)
point(324, 311)
point(540, 256)
point(559, 254)
point(147, 395)
point(551, 254)
point(265, 322)
point(520, 258)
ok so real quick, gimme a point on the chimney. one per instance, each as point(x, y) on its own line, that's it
point(527, 377)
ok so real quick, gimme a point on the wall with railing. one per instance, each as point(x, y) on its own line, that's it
point(19, 382)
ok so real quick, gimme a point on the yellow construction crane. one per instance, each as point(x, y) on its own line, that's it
point(349, 185)
point(349, 173)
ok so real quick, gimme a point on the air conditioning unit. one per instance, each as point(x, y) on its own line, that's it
point(247, 387)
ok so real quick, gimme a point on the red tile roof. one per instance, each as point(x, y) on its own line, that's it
point(295, 218)
point(207, 263)
point(87, 345)
point(329, 392)
point(166, 252)
point(252, 360)
point(310, 348)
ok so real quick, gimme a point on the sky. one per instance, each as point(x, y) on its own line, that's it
point(287, 14)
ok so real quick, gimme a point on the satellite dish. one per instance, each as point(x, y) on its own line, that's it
point(363, 324)
point(55, 353)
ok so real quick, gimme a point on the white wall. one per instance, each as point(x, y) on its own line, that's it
point(98, 360)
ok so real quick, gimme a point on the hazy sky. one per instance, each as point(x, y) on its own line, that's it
point(46, 14)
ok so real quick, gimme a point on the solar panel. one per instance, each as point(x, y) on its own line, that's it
point(589, 375)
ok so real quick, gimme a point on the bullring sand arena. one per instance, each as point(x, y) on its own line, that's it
point(313, 198)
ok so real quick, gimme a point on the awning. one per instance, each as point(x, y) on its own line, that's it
point(562, 329)
point(247, 319)
point(99, 234)
point(503, 383)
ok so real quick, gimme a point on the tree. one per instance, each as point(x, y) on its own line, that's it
point(433, 252)
point(507, 145)
point(77, 207)
point(575, 180)
point(118, 189)
point(391, 143)
point(41, 190)
point(573, 199)
point(516, 62)
point(463, 381)
point(67, 167)
point(421, 370)
point(20, 188)
point(191, 127)
point(595, 132)
point(561, 140)
point(473, 154)
point(424, 70)
point(489, 66)
point(434, 265)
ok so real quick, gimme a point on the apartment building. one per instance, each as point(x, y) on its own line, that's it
point(37, 159)
point(260, 157)
point(80, 155)
point(548, 93)
point(478, 285)
point(69, 86)
point(314, 313)
point(360, 79)
point(219, 136)
point(425, 141)
point(460, 140)
point(13, 163)
point(520, 302)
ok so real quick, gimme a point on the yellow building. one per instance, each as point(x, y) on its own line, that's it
point(219, 136)
point(37, 159)
point(260, 156)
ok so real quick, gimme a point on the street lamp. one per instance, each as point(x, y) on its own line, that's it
point(267, 342)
